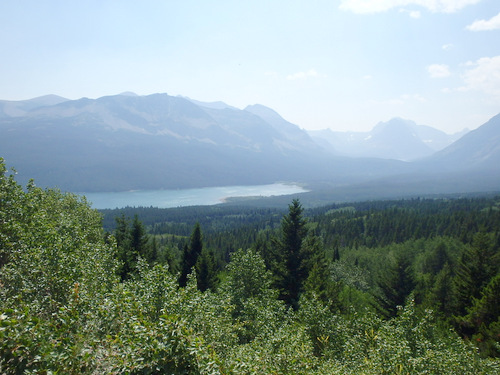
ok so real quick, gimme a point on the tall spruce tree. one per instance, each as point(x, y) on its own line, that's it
point(477, 265)
point(132, 241)
point(396, 285)
point(484, 319)
point(319, 281)
point(290, 269)
point(123, 238)
point(190, 254)
point(139, 240)
point(206, 271)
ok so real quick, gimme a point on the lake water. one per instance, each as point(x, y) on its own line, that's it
point(186, 197)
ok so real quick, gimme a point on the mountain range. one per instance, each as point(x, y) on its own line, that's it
point(397, 138)
point(126, 141)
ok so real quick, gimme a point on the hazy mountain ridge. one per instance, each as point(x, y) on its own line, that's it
point(397, 138)
point(478, 149)
point(10, 108)
point(161, 114)
point(126, 142)
point(143, 142)
point(298, 139)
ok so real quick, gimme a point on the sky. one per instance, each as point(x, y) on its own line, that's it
point(338, 64)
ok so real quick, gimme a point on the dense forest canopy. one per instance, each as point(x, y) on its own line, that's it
point(407, 287)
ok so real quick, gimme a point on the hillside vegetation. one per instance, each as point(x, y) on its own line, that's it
point(402, 287)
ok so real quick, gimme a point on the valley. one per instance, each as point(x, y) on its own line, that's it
point(198, 259)
point(129, 142)
point(252, 187)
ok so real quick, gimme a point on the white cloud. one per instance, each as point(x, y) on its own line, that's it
point(438, 71)
point(482, 25)
point(412, 13)
point(374, 6)
point(302, 75)
point(447, 47)
point(483, 75)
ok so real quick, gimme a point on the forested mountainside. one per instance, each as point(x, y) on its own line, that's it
point(124, 142)
point(407, 287)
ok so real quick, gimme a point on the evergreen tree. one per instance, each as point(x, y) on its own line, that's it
point(206, 271)
point(336, 250)
point(319, 283)
point(484, 319)
point(190, 254)
point(476, 267)
point(126, 256)
point(439, 296)
point(291, 268)
point(153, 251)
point(185, 269)
point(396, 285)
point(436, 259)
point(132, 241)
point(140, 240)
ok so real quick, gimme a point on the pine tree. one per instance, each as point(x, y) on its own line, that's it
point(124, 245)
point(476, 267)
point(290, 268)
point(484, 318)
point(191, 253)
point(185, 268)
point(319, 281)
point(396, 285)
point(439, 296)
point(153, 251)
point(139, 240)
point(436, 259)
point(132, 241)
point(336, 248)
point(206, 271)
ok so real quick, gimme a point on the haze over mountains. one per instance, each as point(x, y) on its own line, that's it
point(395, 139)
point(10, 108)
point(124, 142)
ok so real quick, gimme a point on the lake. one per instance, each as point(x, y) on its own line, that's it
point(187, 197)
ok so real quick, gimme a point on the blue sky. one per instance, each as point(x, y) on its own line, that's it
point(339, 64)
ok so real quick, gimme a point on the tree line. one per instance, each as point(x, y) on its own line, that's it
point(444, 253)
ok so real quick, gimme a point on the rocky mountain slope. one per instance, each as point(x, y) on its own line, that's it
point(126, 142)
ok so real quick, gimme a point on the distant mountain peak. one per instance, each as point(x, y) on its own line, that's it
point(397, 138)
point(49, 98)
point(269, 115)
point(255, 108)
point(128, 93)
point(393, 124)
point(212, 105)
point(10, 108)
